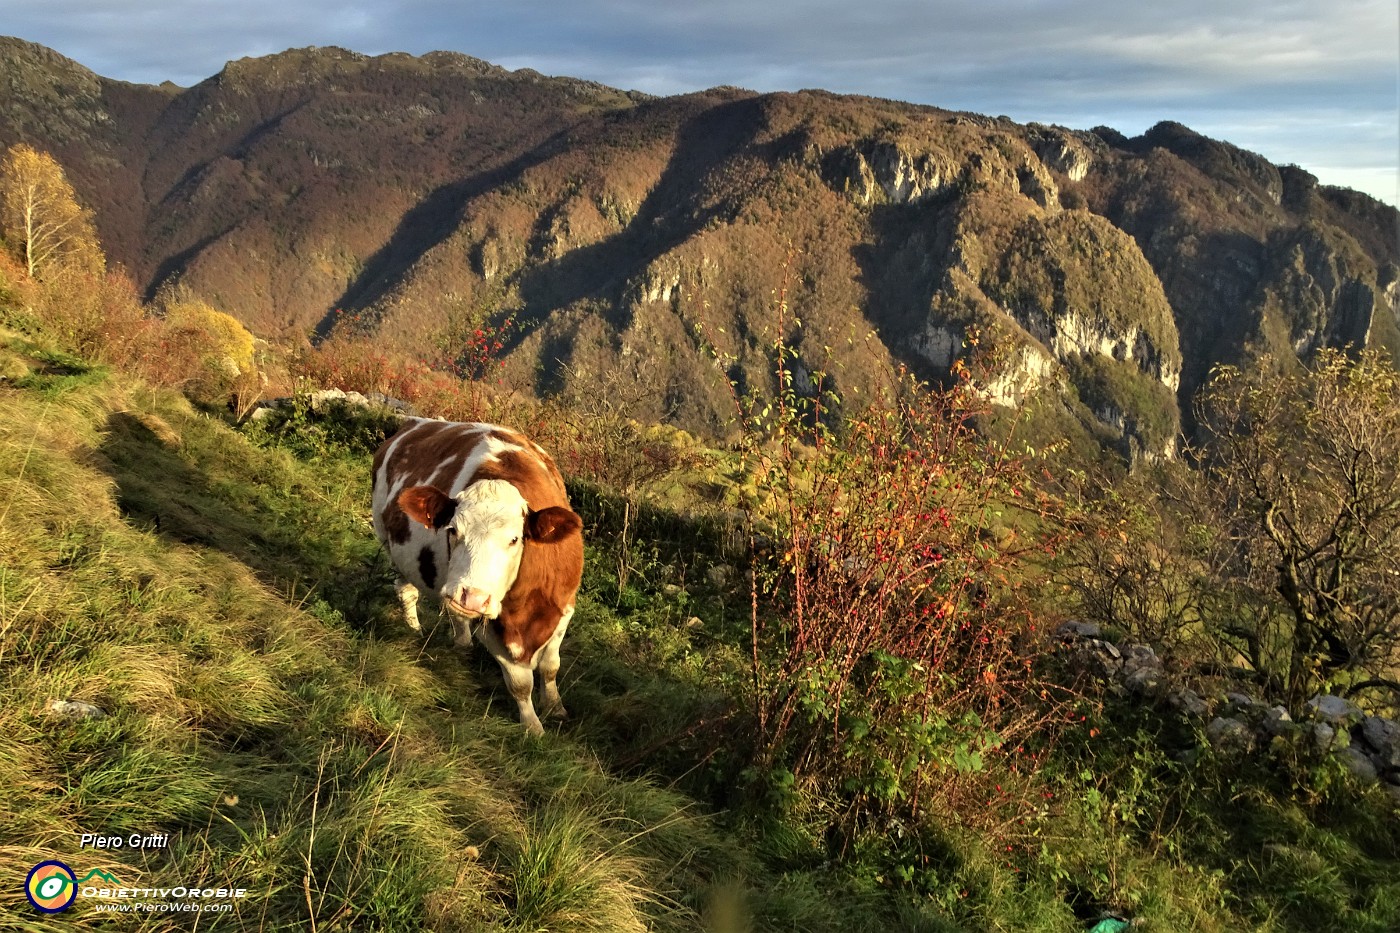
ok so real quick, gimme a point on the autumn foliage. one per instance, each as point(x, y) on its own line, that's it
point(893, 652)
point(1302, 479)
point(183, 341)
point(40, 214)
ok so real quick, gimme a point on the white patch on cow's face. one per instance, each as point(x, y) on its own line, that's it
point(485, 541)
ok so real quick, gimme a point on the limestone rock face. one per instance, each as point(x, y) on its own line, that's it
point(1324, 293)
point(900, 176)
point(1082, 307)
point(889, 172)
point(1062, 151)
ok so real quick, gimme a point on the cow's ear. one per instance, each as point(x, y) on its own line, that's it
point(428, 506)
point(552, 524)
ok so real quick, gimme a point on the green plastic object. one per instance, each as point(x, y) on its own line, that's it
point(1110, 925)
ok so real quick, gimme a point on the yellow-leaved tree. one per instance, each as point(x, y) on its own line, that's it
point(221, 349)
point(40, 215)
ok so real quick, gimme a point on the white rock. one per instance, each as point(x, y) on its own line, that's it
point(1230, 735)
point(75, 709)
point(1278, 722)
point(1334, 710)
point(1189, 702)
point(1144, 679)
point(1141, 656)
point(1077, 629)
point(1243, 701)
point(1326, 738)
point(1383, 735)
point(720, 576)
point(1108, 648)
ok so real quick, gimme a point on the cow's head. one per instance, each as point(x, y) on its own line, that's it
point(486, 525)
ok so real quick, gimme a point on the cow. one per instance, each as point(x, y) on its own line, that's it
point(477, 514)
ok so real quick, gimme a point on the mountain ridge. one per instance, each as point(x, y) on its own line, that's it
point(639, 242)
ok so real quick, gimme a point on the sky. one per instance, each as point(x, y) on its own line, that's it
point(1315, 83)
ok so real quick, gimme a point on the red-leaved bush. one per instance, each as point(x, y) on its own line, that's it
point(892, 650)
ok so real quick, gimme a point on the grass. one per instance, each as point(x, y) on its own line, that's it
point(218, 594)
point(225, 605)
point(218, 601)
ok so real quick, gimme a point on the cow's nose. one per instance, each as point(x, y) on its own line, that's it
point(474, 600)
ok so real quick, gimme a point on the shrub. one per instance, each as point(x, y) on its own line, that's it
point(201, 350)
point(892, 652)
point(1135, 566)
point(332, 429)
point(357, 364)
point(1275, 557)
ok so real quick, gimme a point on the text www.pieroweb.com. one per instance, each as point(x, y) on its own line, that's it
point(185, 907)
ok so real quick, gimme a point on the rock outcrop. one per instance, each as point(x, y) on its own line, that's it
point(1367, 746)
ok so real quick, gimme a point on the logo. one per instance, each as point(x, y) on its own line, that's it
point(100, 875)
point(51, 887)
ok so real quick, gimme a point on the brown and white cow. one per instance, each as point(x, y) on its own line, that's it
point(477, 514)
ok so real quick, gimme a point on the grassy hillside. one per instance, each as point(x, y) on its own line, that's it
point(225, 605)
point(217, 593)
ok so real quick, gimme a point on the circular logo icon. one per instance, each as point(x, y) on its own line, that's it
point(51, 887)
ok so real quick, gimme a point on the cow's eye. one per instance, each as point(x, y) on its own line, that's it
point(514, 541)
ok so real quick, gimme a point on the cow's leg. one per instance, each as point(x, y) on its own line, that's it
point(520, 681)
point(549, 670)
point(408, 597)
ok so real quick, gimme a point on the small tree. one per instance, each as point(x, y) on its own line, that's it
point(1304, 474)
point(217, 348)
point(40, 214)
